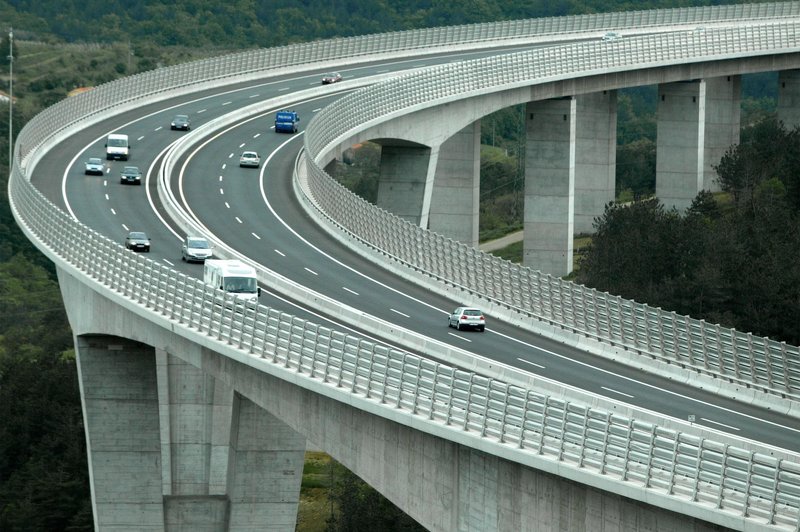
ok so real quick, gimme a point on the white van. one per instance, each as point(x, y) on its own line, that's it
point(234, 277)
point(117, 147)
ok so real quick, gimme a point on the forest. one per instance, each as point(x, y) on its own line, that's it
point(730, 259)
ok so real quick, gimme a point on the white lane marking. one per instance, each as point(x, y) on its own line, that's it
point(140, 138)
point(255, 235)
point(647, 385)
point(401, 313)
point(279, 252)
point(254, 96)
point(227, 205)
point(531, 363)
point(351, 291)
point(221, 192)
point(256, 135)
point(731, 427)
point(125, 227)
point(113, 212)
point(238, 219)
point(202, 111)
point(312, 272)
point(226, 103)
point(108, 170)
point(242, 144)
point(106, 197)
point(220, 178)
point(159, 127)
point(317, 110)
point(612, 390)
point(169, 262)
point(284, 89)
point(454, 335)
point(230, 156)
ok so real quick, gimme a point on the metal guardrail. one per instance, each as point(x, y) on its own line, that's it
point(718, 482)
point(757, 362)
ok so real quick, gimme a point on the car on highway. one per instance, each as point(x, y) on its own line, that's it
point(94, 166)
point(249, 159)
point(181, 122)
point(130, 175)
point(195, 249)
point(137, 241)
point(611, 36)
point(467, 318)
point(331, 77)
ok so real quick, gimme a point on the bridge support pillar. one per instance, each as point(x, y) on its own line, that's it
point(595, 156)
point(172, 448)
point(697, 122)
point(789, 98)
point(454, 205)
point(549, 185)
point(402, 182)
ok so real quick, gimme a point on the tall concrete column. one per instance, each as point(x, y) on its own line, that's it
point(723, 123)
point(595, 156)
point(679, 147)
point(171, 448)
point(789, 98)
point(455, 199)
point(402, 181)
point(697, 122)
point(549, 185)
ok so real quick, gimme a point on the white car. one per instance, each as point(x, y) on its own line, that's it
point(195, 249)
point(611, 36)
point(250, 159)
point(467, 318)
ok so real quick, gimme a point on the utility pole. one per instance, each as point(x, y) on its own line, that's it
point(10, 98)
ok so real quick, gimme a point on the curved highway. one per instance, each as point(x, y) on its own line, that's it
point(255, 213)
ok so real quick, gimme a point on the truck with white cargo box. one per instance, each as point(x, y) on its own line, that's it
point(232, 276)
point(117, 147)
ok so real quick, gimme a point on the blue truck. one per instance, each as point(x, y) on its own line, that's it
point(286, 121)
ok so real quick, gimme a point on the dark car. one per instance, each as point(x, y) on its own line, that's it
point(131, 175)
point(137, 241)
point(181, 122)
point(331, 77)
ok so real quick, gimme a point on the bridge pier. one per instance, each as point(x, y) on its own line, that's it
point(549, 185)
point(454, 207)
point(172, 448)
point(789, 98)
point(697, 122)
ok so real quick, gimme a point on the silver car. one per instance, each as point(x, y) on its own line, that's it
point(95, 166)
point(249, 158)
point(467, 318)
point(195, 249)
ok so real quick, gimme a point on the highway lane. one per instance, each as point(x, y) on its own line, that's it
point(111, 208)
point(254, 215)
